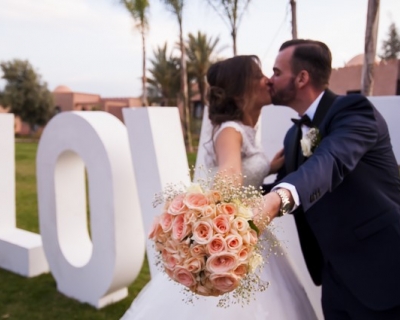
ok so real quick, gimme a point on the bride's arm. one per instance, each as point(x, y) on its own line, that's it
point(228, 147)
point(277, 161)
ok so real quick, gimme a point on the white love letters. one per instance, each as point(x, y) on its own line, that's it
point(21, 251)
point(95, 270)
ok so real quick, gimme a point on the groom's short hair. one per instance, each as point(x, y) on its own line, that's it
point(312, 56)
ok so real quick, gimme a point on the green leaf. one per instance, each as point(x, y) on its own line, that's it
point(254, 227)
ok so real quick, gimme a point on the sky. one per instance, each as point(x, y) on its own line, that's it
point(91, 46)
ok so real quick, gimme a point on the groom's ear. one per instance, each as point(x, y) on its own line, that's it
point(302, 78)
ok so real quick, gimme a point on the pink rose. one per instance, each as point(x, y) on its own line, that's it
point(234, 242)
point(241, 270)
point(196, 201)
point(221, 224)
point(179, 229)
point(253, 237)
point(183, 276)
point(243, 254)
point(240, 225)
point(171, 260)
point(177, 206)
point(217, 244)
point(194, 264)
point(197, 250)
point(221, 262)
point(155, 229)
point(228, 209)
point(202, 231)
point(166, 221)
point(225, 282)
point(203, 291)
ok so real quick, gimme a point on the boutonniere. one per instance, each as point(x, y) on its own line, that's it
point(310, 142)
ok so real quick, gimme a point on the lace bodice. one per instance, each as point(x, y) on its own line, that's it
point(255, 164)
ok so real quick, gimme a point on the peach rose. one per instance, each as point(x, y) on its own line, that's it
point(214, 196)
point(217, 244)
point(184, 250)
point(253, 236)
point(203, 291)
point(179, 229)
point(241, 270)
point(191, 216)
point(166, 221)
point(183, 276)
point(209, 211)
point(221, 224)
point(177, 206)
point(221, 262)
point(228, 209)
point(234, 242)
point(225, 282)
point(195, 201)
point(194, 264)
point(155, 229)
point(240, 224)
point(197, 250)
point(202, 231)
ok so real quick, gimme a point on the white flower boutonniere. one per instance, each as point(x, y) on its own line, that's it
point(310, 142)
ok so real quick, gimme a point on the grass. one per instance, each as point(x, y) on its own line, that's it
point(37, 298)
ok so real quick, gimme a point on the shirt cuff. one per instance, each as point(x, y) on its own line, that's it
point(292, 190)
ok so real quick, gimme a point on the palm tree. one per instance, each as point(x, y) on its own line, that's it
point(200, 51)
point(139, 10)
point(165, 76)
point(176, 6)
point(233, 11)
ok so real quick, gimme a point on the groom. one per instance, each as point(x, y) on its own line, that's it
point(345, 196)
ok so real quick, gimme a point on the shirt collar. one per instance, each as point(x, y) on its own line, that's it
point(313, 107)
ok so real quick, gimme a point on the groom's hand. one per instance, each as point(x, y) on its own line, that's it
point(275, 204)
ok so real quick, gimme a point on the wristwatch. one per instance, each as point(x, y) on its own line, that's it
point(285, 202)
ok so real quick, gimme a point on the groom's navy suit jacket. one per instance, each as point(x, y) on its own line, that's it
point(350, 200)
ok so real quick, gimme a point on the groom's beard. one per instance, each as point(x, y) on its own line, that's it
point(284, 96)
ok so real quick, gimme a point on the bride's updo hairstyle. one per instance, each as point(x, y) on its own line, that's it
point(231, 84)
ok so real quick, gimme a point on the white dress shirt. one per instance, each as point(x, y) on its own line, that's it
point(310, 112)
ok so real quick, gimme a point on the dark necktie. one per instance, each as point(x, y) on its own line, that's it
point(296, 155)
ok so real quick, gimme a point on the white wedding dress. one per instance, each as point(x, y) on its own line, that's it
point(285, 298)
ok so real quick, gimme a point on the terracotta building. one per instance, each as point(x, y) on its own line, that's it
point(67, 100)
point(347, 80)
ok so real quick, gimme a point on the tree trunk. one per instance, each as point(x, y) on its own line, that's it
point(371, 34)
point(234, 41)
point(184, 91)
point(145, 103)
point(294, 19)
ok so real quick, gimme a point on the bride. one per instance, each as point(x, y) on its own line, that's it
point(238, 91)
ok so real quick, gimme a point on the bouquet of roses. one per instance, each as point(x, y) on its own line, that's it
point(206, 239)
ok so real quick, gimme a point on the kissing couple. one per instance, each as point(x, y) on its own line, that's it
point(342, 188)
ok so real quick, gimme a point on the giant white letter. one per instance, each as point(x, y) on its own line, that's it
point(158, 155)
point(95, 270)
point(21, 251)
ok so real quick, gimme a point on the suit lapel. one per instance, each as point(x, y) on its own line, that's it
point(326, 101)
point(291, 149)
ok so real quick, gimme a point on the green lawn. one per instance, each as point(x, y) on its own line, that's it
point(37, 298)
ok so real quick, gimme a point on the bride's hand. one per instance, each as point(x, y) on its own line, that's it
point(277, 161)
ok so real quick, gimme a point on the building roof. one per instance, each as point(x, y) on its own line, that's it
point(62, 89)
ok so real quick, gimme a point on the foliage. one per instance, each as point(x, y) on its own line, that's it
point(176, 6)
point(391, 46)
point(165, 77)
point(139, 12)
point(25, 94)
point(200, 51)
point(231, 12)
